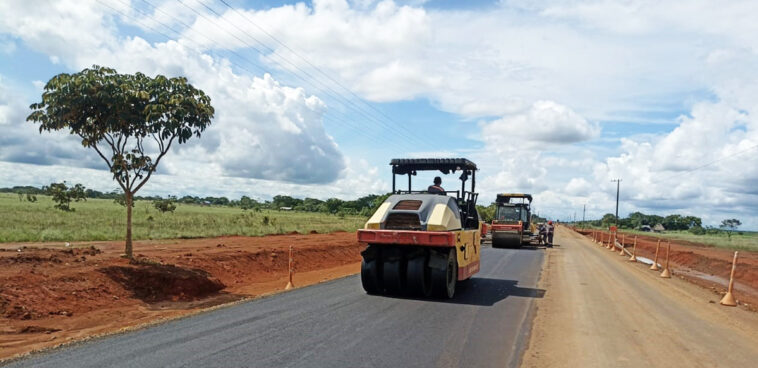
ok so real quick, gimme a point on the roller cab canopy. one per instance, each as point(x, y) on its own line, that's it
point(404, 166)
point(506, 197)
point(410, 167)
point(465, 199)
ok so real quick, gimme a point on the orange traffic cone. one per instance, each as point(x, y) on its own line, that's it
point(728, 298)
point(612, 242)
point(666, 274)
point(633, 258)
point(621, 253)
point(290, 285)
point(654, 267)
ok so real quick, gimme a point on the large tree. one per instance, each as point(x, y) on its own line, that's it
point(130, 120)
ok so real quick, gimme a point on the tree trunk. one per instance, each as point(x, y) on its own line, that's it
point(128, 246)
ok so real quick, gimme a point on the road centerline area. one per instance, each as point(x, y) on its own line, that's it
point(335, 324)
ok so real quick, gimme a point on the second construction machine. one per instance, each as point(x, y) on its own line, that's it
point(511, 226)
point(420, 243)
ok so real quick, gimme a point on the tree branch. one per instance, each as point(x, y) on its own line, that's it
point(155, 165)
point(110, 167)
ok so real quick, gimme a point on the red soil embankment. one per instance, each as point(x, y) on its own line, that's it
point(51, 294)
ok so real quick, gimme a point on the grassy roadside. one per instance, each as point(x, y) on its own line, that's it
point(102, 219)
point(747, 241)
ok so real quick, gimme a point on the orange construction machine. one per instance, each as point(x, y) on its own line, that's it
point(511, 226)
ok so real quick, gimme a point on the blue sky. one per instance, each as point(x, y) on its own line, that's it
point(314, 98)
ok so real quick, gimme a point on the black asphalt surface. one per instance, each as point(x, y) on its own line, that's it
point(336, 324)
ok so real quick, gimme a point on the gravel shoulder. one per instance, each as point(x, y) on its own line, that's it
point(601, 310)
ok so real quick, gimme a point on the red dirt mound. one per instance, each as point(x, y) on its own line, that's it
point(156, 282)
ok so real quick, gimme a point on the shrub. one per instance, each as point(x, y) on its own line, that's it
point(697, 230)
point(165, 205)
point(63, 195)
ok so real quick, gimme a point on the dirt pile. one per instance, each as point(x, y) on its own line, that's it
point(158, 282)
point(52, 293)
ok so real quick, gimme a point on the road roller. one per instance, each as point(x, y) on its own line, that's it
point(511, 226)
point(423, 242)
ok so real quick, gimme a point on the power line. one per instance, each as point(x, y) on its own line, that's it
point(706, 165)
point(346, 122)
point(334, 94)
point(319, 70)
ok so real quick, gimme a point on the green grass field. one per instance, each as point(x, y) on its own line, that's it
point(101, 219)
point(747, 241)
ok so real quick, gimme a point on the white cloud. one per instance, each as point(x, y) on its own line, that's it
point(11, 107)
point(634, 61)
point(472, 63)
point(262, 129)
point(62, 29)
point(545, 122)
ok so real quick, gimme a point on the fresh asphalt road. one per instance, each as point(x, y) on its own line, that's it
point(335, 324)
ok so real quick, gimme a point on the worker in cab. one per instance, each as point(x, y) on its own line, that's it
point(436, 187)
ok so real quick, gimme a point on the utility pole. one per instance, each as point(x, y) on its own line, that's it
point(618, 186)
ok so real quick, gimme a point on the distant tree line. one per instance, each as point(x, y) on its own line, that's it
point(636, 220)
point(363, 206)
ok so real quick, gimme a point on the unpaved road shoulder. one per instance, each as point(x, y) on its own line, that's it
point(602, 311)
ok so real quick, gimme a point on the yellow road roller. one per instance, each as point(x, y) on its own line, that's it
point(422, 242)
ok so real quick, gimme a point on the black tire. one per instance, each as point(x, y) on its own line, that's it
point(371, 273)
point(419, 276)
point(444, 279)
point(393, 269)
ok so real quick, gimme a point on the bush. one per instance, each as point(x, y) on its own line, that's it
point(63, 195)
point(165, 205)
point(697, 230)
point(31, 197)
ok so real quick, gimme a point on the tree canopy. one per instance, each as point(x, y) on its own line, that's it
point(130, 120)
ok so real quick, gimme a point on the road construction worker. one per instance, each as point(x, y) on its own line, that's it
point(436, 188)
point(541, 233)
point(549, 229)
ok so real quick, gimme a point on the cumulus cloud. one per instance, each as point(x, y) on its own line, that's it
point(262, 129)
point(21, 141)
point(706, 166)
point(544, 76)
point(544, 122)
point(470, 62)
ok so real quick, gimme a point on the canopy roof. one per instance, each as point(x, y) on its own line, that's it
point(445, 165)
point(506, 197)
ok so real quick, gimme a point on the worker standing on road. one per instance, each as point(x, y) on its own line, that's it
point(436, 188)
point(542, 234)
point(549, 230)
